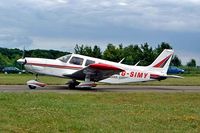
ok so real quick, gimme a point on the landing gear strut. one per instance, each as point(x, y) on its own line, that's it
point(36, 77)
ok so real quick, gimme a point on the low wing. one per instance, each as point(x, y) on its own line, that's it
point(96, 72)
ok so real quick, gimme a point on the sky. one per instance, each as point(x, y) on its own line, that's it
point(60, 24)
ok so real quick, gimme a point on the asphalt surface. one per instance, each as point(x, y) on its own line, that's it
point(101, 88)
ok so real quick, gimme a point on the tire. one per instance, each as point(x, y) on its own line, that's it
point(71, 86)
point(32, 87)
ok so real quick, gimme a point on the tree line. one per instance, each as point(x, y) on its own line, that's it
point(131, 54)
point(9, 57)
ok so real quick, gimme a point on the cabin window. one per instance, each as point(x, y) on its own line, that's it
point(88, 62)
point(65, 58)
point(76, 61)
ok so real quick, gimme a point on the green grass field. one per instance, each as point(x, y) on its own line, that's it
point(21, 79)
point(99, 112)
point(17, 79)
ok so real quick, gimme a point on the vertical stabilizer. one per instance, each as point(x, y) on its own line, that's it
point(162, 62)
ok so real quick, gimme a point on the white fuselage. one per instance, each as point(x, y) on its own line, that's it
point(58, 68)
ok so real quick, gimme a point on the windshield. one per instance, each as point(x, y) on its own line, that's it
point(65, 58)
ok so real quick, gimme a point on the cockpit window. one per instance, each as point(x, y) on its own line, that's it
point(65, 58)
point(76, 61)
point(88, 62)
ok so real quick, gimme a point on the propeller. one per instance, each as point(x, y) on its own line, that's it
point(23, 54)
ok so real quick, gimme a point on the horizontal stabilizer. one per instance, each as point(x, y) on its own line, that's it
point(162, 77)
point(174, 76)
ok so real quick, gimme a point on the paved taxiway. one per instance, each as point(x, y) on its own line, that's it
point(102, 88)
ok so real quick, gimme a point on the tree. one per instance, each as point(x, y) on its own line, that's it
point(114, 53)
point(162, 46)
point(8, 57)
point(191, 63)
point(79, 49)
point(176, 61)
point(88, 51)
point(3, 61)
point(147, 54)
point(97, 52)
point(110, 53)
point(132, 54)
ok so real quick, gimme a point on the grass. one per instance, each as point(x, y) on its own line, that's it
point(16, 79)
point(21, 79)
point(100, 112)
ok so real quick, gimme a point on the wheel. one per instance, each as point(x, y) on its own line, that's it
point(32, 87)
point(71, 86)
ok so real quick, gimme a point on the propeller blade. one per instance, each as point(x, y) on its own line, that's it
point(23, 54)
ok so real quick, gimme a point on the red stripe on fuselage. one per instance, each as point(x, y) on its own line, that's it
point(55, 66)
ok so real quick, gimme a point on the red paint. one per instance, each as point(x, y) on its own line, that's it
point(145, 75)
point(123, 73)
point(40, 84)
point(104, 67)
point(134, 74)
point(55, 66)
point(139, 75)
point(154, 76)
point(131, 74)
point(163, 62)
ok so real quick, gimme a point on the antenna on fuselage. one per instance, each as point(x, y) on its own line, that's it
point(137, 63)
point(121, 61)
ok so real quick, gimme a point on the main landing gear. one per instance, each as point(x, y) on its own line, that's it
point(72, 84)
point(86, 84)
point(33, 84)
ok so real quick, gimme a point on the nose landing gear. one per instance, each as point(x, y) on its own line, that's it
point(33, 84)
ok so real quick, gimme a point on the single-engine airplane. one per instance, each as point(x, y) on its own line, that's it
point(91, 70)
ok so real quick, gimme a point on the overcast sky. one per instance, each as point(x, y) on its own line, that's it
point(60, 24)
